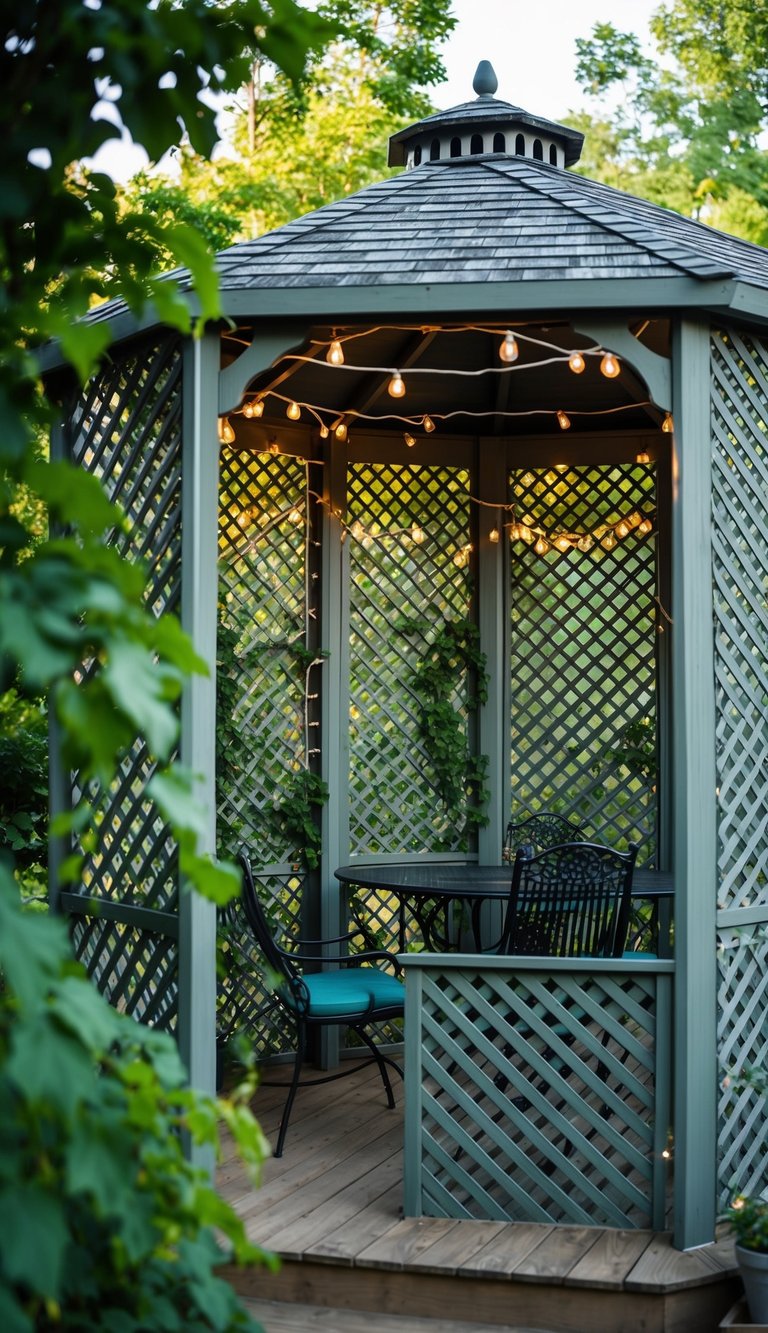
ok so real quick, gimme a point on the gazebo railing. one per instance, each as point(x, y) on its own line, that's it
point(538, 1090)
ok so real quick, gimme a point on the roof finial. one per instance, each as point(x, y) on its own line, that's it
point(485, 82)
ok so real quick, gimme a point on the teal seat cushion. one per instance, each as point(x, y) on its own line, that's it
point(349, 991)
point(633, 954)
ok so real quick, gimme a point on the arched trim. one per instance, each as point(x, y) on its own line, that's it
point(520, 145)
point(553, 155)
point(538, 150)
point(456, 147)
point(499, 143)
point(434, 150)
point(417, 155)
point(476, 146)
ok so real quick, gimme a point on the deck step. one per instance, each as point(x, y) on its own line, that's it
point(279, 1317)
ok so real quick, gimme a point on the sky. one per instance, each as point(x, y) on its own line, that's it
point(531, 46)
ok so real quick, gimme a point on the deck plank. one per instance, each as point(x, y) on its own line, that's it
point(502, 1253)
point(661, 1268)
point(404, 1242)
point(355, 1235)
point(277, 1317)
point(557, 1254)
point(608, 1262)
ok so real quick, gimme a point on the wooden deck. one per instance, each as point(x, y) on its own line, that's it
point(331, 1208)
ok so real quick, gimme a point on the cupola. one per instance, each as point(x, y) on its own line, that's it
point(486, 125)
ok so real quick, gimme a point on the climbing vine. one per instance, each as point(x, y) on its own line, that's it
point(293, 816)
point(451, 656)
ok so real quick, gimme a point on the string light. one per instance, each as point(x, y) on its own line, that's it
point(493, 535)
point(563, 420)
point(254, 408)
point(335, 354)
point(643, 457)
point(357, 530)
point(340, 429)
point(396, 387)
point(428, 425)
point(542, 546)
point(607, 535)
point(226, 431)
point(410, 440)
point(293, 411)
point(296, 516)
point(324, 431)
point(274, 448)
point(609, 366)
point(668, 424)
point(576, 363)
point(509, 350)
point(461, 557)
point(417, 534)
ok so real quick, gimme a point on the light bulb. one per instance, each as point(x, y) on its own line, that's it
point(514, 532)
point(293, 411)
point(493, 535)
point(410, 440)
point(585, 543)
point(509, 350)
point(460, 559)
point(526, 533)
point(563, 420)
point(244, 518)
point(562, 543)
point(396, 387)
point(643, 457)
point(335, 354)
point(274, 448)
point(428, 425)
point(340, 429)
point(226, 433)
point(295, 516)
point(668, 424)
point(542, 546)
point(610, 366)
point(634, 519)
point(417, 534)
point(324, 432)
point(357, 530)
point(576, 363)
point(367, 541)
point(609, 541)
point(645, 527)
point(622, 529)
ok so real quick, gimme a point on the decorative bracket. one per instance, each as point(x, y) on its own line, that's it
point(264, 350)
point(655, 370)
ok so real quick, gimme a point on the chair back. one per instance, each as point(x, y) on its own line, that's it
point(540, 831)
point(286, 976)
point(569, 901)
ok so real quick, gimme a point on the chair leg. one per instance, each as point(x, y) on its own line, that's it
point(301, 1045)
point(381, 1062)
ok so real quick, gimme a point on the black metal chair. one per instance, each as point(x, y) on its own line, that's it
point(572, 900)
point(540, 831)
point(349, 995)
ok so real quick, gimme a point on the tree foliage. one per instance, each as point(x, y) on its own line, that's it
point(682, 126)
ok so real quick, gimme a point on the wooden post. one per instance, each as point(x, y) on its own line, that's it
point(493, 728)
point(199, 551)
point(694, 796)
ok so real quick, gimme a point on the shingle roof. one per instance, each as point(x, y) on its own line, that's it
point(490, 218)
point(487, 111)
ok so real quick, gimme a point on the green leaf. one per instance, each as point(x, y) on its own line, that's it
point(49, 1067)
point(74, 497)
point(34, 1246)
point(143, 688)
point(189, 249)
point(84, 345)
point(12, 1318)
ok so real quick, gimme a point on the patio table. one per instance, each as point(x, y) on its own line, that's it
point(429, 888)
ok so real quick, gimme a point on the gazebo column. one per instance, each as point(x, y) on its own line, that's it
point(199, 551)
point(493, 727)
point(694, 794)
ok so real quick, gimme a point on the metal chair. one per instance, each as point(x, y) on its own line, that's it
point(350, 995)
point(540, 831)
point(572, 900)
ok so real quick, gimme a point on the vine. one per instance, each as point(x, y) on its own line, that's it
point(453, 654)
point(293, 816)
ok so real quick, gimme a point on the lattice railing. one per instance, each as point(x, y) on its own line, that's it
point(583, 660)
point(740, 588)
point(401, 592)
point(125, 429)
point(538, 1093)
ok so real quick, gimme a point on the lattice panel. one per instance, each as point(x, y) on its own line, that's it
point(539, 1098)
point(583, 654)
point(136, 970)
point(740, 599)
point(394, 580)
point(263, 611)
point(125, 429)
point(245, 1006)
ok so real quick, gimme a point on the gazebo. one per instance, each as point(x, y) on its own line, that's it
point(490, 401)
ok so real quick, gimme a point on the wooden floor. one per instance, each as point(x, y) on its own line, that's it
point(331, 1208)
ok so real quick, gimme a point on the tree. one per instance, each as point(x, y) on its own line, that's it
point(681, 128)
point(109, 1224)
point(289, 151)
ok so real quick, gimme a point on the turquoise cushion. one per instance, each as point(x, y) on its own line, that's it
point(349, 991)
point(632, 954)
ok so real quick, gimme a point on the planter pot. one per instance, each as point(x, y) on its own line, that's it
point(753, 1267)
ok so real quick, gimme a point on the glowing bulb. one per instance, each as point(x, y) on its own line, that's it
point(509, 350)
point(340, 429)
point(396, 387)
point(526, 533)
point(514, 532)
point(493, 535)
point(410, 440)
point(274, 448)
point(324, 432)
point(293, 411)
point(668, 424)
point(562, 543)
point(634, 519)
point(244, 518)
point(253, 408)
point(576, 363)
point(610, 366)
point(357, 530)
point(295, 516)
point(428, 425)
point(622, 529)
point(226, 433)
point(643, 457)
point(542, 546)
point(460, 559)
point(609, 541)
point(335, 354)
point(585, 543)
point(645, 527)
point(367, 541)
point(417, 534)
point(563, 420)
